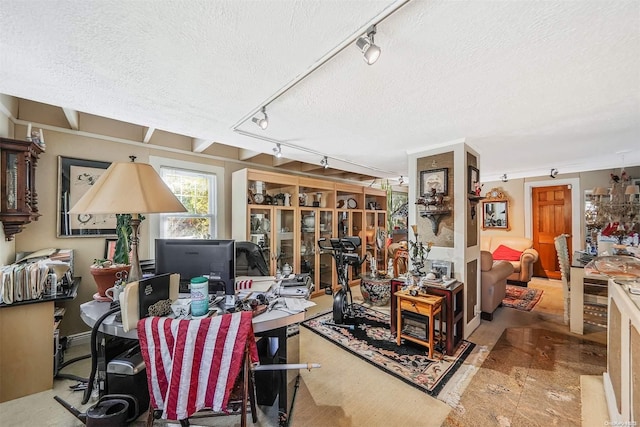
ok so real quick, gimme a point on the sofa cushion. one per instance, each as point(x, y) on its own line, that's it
point(506, 253)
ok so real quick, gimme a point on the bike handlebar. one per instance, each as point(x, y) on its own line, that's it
point(345, 248)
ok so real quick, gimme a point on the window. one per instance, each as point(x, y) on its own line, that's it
point(197, 192)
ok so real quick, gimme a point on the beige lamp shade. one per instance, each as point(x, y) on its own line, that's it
point(128, 187)
point(632, 189)
point(600, 191)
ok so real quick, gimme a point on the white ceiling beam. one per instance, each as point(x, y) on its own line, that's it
point(244, 154)
point(198, 145)
point(72, 117)
point(147, 134)
point(6, 107)
point(281, 161)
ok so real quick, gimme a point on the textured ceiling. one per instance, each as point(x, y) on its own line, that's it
point(530, 85)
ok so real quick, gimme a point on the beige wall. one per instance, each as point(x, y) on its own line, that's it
point(7, 249)
point(515, 188)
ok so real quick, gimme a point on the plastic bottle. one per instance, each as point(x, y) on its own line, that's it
point(199, 296)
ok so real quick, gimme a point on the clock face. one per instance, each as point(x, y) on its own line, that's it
point(84, 218)
point(494, 193)
point(258, 198)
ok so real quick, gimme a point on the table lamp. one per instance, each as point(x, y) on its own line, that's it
point(129, 187)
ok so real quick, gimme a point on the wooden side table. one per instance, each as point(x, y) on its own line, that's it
point(452, 312)
point(422, 308)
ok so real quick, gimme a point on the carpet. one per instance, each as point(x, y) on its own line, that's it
point(531, 377)
point(521, 298)
point(372, 341)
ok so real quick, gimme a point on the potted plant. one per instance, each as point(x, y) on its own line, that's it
point(106, 272)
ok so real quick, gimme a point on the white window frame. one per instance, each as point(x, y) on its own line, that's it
point(154, 219)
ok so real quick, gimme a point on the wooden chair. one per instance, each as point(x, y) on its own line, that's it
point(562, 249)
point(195, 365)
point(400, 262)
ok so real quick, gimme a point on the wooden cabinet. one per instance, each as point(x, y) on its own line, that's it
point(18, 199)
point(288, 228)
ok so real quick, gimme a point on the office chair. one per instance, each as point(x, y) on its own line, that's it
point(250, 260)
point(193, 365)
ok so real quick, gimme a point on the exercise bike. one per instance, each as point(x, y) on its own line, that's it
point(344, 253)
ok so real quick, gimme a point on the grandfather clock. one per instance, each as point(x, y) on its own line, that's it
point(18, 197)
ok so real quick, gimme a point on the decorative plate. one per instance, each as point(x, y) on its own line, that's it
point(351, 203)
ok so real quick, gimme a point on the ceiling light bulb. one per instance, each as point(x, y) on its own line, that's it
point(370, 51)
point(263, 123)
point(277, 151)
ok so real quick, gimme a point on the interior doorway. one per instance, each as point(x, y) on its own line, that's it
point(551, 212)
point(552, 208)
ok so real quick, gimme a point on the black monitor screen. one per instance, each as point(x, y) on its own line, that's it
point(196, 257)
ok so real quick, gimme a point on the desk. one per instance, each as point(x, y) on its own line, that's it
point(271, 324)
point(453, 312)
point(27, 344)
point(577, 293)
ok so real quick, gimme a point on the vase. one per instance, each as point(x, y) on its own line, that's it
point(105, 278)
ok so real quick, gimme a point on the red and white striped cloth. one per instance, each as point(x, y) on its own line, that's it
point(193, 364)
point(243, 284)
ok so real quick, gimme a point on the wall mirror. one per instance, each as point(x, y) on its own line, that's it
point(495, 211)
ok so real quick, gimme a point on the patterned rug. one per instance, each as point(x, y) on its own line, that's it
point(521, 298)
point(372, 341)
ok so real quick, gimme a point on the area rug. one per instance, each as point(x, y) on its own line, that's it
point(530, 377)
point(521, 298)
point(372, 341)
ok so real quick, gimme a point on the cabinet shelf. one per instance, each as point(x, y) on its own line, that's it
point(338, 210)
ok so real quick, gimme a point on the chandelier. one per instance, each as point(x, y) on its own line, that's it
point(614, 211)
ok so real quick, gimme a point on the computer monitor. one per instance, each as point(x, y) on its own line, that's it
point(190, 258)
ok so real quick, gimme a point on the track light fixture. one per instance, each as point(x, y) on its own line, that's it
point(277, 151)
point(369, 50)
point(263, 123)
point(504, 177)
point(401, 180)
point(554, 173)
point(324, 162)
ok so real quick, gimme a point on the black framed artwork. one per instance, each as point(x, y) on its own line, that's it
point(75, 177)
point(474, 178)
point(434, 179)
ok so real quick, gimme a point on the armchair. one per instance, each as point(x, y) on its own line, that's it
point(516, 250)
point(493, 282)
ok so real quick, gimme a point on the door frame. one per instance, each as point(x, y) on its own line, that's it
point(576, 208)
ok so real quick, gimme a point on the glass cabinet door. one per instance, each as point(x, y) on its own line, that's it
point(284, 238)
point(308, 242)
point(326, 263)
point(260, 223)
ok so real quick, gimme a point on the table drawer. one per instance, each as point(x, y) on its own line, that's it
point(425, 307)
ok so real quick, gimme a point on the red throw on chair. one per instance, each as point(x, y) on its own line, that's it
point(193, 364)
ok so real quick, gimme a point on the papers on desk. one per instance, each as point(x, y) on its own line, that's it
point(290, 305)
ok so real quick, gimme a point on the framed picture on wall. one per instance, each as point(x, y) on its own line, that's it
point(75, 177)
point(434, 179)
point(474, 178)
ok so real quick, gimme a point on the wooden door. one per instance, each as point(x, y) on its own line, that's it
point(551, 217)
